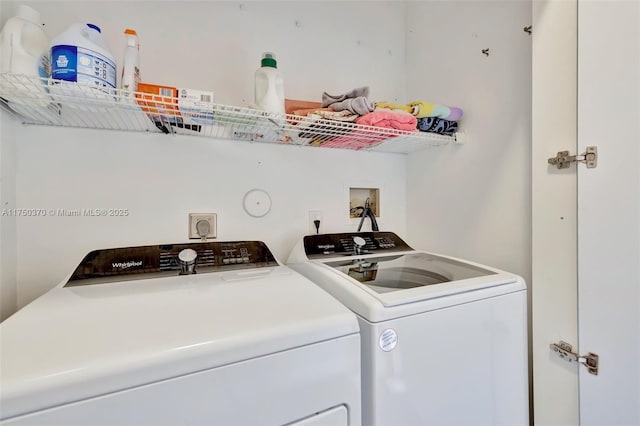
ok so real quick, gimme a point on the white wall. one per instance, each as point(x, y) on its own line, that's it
point(8, 286)
point(402, 50)
point(217, 45)
point(161, 178)
point(473, 200)
point(331, 47)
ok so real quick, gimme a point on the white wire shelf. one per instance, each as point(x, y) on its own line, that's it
point(56, 103)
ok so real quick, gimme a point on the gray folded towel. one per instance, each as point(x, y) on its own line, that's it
point(359, 105)
point(328, 99)
point(354, 101)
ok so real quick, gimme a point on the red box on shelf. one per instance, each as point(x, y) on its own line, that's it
point(158, 100)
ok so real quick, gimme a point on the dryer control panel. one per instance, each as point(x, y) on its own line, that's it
point(352, 243)
point(142, 262)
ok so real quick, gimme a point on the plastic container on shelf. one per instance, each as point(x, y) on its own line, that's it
point(269, 85)
point(25, 44)
point(24, 47)
point(82, 65)
point(130, 65)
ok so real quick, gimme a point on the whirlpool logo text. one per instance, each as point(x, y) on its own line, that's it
point(126, 265)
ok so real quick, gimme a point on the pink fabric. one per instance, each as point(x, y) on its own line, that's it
point(390, 120)
point(356, 139)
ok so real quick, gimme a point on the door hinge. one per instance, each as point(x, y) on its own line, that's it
point(563, 160)
point(565, 351)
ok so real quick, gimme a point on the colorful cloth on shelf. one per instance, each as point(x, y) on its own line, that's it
point(394, 107)
point(422, 109)
point(427, 109)
point(437, 125)
point(389, 119)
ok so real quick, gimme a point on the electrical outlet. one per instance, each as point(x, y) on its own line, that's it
point(203, 222)
point(315, 215)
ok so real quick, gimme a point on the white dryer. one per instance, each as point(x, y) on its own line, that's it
point(212, 333)
point(444, 341)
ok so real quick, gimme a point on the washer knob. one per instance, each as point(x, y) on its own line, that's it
point(187, 258)
point(358, 244)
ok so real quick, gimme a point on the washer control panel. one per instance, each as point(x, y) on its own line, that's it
point(142, 262)
point(352, 243)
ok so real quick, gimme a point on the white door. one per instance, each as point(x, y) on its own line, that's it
point(554, 289)
point(608, 259)
point(609, 210)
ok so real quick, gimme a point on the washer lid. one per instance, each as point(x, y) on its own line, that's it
point(78, 342)
point(385, 278)
point(414, 276)
point(380, 288)
point(393, 273)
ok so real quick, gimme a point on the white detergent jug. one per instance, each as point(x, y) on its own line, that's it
point(25, 61)
point(269, 85)
point(25, 45)
point(82, 64)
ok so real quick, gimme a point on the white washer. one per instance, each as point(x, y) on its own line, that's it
point(444, 341)
point(135, 337)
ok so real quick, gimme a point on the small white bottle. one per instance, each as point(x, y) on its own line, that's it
point(269, 85)
point(131, 64)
